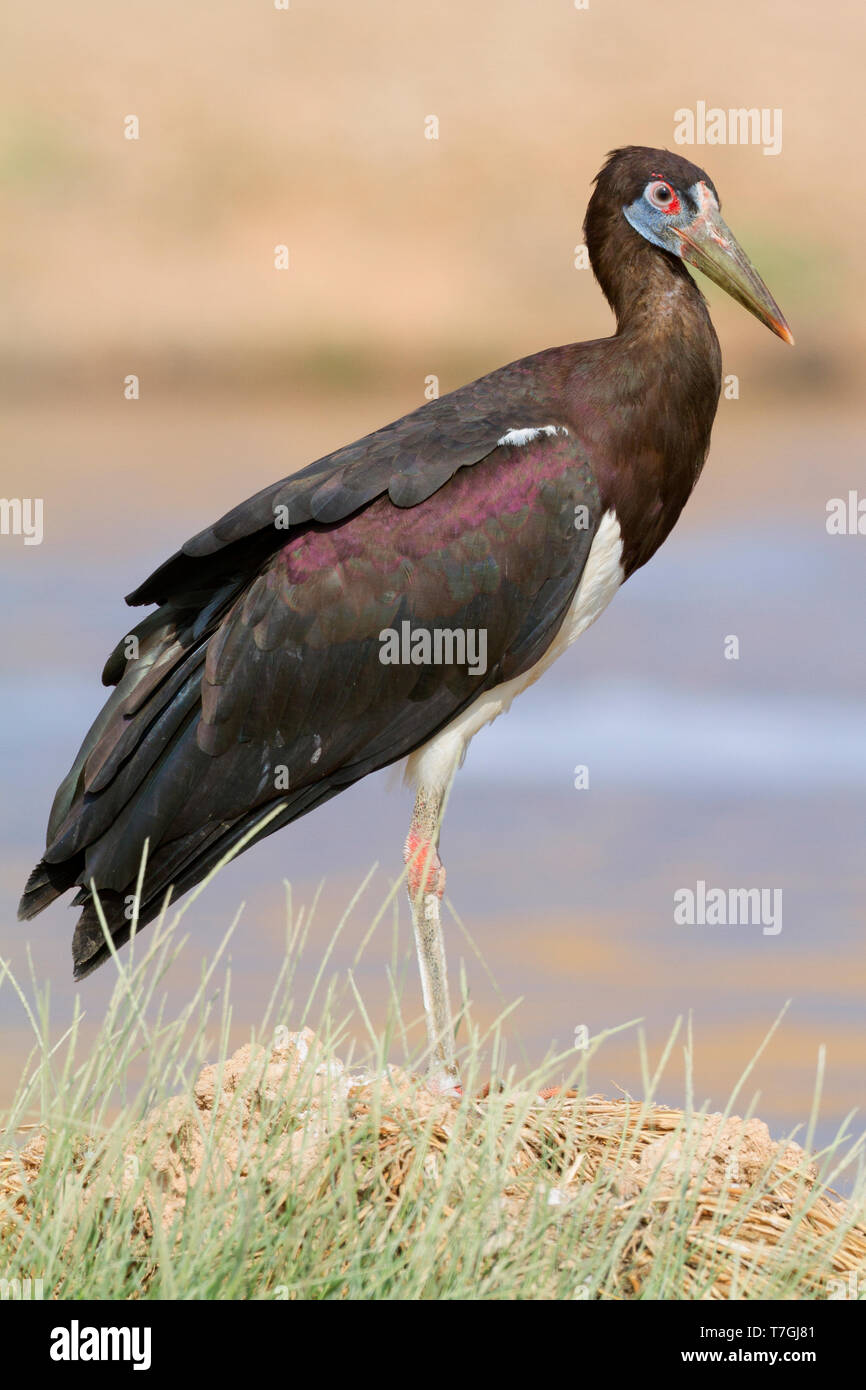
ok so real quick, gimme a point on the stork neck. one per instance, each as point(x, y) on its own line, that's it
point(654, 296)
point(663, 378)
point(649, 290)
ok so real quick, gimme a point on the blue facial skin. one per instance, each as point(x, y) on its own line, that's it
point(655, 224)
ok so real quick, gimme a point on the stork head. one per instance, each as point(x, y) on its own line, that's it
point(674, 205)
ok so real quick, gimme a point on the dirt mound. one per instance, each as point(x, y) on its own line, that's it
point(276, 1112)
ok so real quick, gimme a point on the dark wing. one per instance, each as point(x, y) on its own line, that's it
point(409, 460)
point(266, 690)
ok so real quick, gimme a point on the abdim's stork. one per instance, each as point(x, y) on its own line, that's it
point(391, 599)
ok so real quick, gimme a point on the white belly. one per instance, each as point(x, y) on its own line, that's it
point(433, 765)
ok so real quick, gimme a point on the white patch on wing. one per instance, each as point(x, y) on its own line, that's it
point(433, 765)
point(525, 436)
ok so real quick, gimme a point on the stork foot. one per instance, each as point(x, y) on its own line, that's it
point(443, 1083)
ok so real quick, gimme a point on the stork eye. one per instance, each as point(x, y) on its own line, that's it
point(661, 195)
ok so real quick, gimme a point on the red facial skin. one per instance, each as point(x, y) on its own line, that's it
point(674, 205)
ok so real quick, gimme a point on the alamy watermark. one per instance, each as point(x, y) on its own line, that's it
point(846, 516)
point(19, 1290)
point(22, 516)
point(729, 907)
point(437, 646)
point(77, 1343)
point(738, 125)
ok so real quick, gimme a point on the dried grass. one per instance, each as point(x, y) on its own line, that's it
point(709, 1202)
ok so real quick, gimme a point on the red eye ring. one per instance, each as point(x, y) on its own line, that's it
point(662, 196)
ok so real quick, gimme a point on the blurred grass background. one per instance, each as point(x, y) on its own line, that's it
point(408, 255)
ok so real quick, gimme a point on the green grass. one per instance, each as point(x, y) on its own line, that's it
point(292, 1185)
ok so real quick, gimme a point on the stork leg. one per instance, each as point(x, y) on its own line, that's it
point(426, 877)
